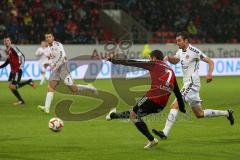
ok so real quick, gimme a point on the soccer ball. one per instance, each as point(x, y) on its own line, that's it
point(55, 124)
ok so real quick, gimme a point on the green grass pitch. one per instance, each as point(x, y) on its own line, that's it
point(24, 133)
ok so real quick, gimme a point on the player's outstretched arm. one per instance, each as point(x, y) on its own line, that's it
point(179, 97)
point(5, 64)
point(141, 64)
point(210, 63)
point(172, 59)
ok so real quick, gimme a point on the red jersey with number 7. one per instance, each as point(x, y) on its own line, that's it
point(162, 83)
point(163, 80)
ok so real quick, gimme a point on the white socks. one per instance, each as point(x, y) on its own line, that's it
point(85, 87)
point(215, 113)
point(43, 79)
point(50, 95)
point(48, 100)
point(172, 116)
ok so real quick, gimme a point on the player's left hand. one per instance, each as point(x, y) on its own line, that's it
point(165, 59)
point(209, 77)
point(97, 57)
point(52, 67)
point(46, 65)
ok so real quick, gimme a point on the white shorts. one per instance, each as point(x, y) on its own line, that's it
point(42, 63)
point(190, 94)
point(62, 73)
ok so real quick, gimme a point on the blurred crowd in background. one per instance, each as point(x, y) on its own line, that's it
point(208, 21)
point(77, 21)
point(72, 21)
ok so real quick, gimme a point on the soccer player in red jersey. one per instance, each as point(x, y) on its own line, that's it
point(16, 60)
point(163, 82)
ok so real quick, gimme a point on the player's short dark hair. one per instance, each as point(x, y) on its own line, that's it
point(6, 36)
point(158, 54)
point(49, 32)
point(184, 34)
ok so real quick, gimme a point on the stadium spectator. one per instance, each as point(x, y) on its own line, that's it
point(214, 22)
point(73, 21)
point(80, 19)
point(191, 28)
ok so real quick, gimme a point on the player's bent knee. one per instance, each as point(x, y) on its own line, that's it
point(52, 85)
point(199, 114)
point(50, 89)
point(73, 88)
point(196, 107)
point(174, 105)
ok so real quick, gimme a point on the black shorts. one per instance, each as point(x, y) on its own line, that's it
point(145, 107)
point(15, 77)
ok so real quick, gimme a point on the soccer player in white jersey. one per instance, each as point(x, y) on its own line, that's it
point(189, 57)
point(44, 62)
point(59, 71)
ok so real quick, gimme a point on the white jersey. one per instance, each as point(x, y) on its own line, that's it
point(189, 60)
point(42, 54)
point(57, 54)
point(58, 58)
